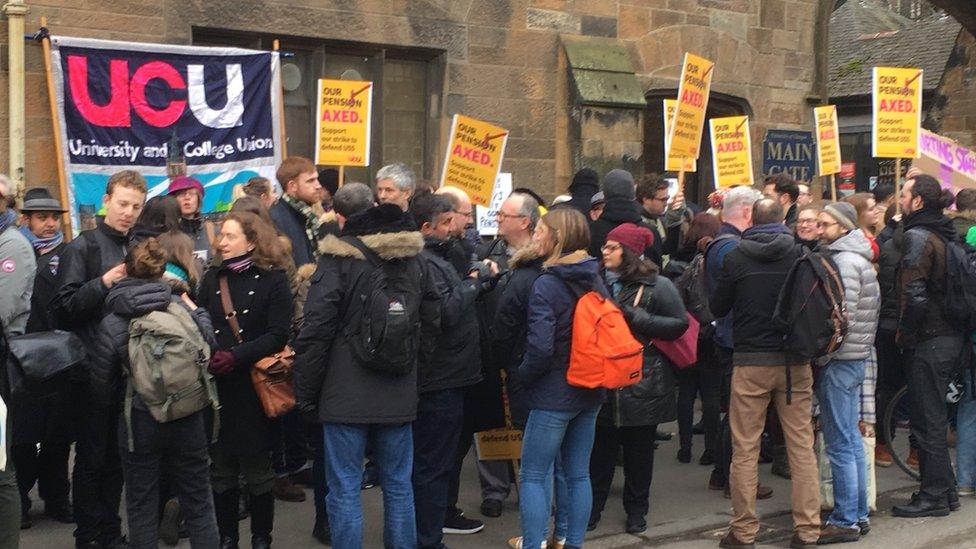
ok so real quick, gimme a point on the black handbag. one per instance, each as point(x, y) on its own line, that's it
point(37, 363)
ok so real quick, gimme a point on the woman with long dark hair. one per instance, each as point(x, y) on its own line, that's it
point(262, 305)
point(629, 416)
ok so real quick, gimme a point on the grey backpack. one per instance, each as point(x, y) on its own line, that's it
point(168, 360)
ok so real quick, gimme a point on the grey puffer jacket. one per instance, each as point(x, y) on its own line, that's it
point(862, 295)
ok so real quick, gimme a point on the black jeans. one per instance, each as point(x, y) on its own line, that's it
point(48, 467)
point(930, 367)
point(723, 458)
point(179, 447)
point(291, 451)
point(97, 473)
point(891, 376)
point(704, 378)
point(638, 450)
point(436, 433)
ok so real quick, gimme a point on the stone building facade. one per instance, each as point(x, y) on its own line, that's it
point(503, 61)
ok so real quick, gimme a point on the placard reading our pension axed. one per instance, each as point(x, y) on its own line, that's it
point(474, 157)
point(343, 123)
point(731, 151)
point(897, 112)
point(672, 162)
point(828, 139)
point(689, 117)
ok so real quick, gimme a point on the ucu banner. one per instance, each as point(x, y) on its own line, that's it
point(123, 105)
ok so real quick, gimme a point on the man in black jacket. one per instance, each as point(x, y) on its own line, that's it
point(452, 365)
point(354, 403)
point(930, 341)
point(748, 286)
point(46, 421)
point(621, 207)
point(90, 265)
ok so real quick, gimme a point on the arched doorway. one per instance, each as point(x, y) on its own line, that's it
point(699, 184)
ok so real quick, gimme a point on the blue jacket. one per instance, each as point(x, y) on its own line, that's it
point(549, 334)
point(291, 223)
point(714, 258)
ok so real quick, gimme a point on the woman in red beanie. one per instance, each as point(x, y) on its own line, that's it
point(629, 416)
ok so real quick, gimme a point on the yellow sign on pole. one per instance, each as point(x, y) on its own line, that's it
point(474, 157)
point(897, 112)
point(689, 117)
point(828, 140)
point(499, 444)
point(731, 151)
point(343, 123)
point(673, 163)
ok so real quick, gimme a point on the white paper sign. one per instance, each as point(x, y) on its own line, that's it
point(3, 436)
point(488, 217)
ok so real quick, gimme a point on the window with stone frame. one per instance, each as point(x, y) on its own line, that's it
point(407, 87)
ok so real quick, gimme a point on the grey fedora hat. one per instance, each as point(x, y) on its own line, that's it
point(39, 199)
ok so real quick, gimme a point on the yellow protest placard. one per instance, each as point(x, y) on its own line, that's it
point(673, 163)
point(474, 157)
point(499, 444)
point(897, 112)
point(689, 116)
point(828, 140)
point(342, 123)
point(731, 151)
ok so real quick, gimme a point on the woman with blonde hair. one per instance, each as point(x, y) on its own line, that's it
point(562, 417)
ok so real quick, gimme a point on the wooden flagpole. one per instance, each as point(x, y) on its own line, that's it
point(58, 146)
point(898, 186)
point(281, 100)
point(833, 187)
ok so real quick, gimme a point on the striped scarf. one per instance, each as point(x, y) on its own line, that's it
point(238, 264)
point(41, 244)
point(312, 223)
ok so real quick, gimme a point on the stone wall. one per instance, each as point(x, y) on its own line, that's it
point(953, 112)
point(502, 61)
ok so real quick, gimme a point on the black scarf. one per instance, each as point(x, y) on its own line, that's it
point(932, 220)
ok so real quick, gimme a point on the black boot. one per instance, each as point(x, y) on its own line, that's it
point(225, 507)
point(921, 507)
point(262, 520)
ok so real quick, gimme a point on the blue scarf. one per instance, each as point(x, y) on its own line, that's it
point(41, 244)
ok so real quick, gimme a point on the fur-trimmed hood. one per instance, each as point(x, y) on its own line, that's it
point(386, 245)
point(524, 256)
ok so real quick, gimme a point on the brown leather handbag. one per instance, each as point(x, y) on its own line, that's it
point(271, 375)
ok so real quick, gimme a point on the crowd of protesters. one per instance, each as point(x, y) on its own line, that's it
point(473, 335)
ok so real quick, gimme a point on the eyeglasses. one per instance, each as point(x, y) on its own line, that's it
point(806, 222)
point(660, 199)
point(469, 213)
point(610, 247)
point(503, 215)
point(823, 225)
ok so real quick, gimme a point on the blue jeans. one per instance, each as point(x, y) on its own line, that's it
point(840, 393)
point(345, 448)
point(568, 435)
point(966, 437)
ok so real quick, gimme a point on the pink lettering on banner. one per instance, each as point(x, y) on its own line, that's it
point(945, 177)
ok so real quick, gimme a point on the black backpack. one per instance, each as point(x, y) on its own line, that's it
point(961, 285)
point(811, 309)
point(691, 287)
point(385, 337)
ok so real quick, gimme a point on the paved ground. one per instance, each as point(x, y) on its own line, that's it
point(684, 514)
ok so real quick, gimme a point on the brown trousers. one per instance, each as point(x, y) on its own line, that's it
point(753, 387)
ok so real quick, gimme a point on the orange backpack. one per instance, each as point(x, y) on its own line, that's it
point(603, 353)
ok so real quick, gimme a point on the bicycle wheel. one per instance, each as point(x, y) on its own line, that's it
point(895, 420)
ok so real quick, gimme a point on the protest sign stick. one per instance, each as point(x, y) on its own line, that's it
point(342, 175)
point(281, 102)
point(58, 146)
point(898, 186)
point(833, 188)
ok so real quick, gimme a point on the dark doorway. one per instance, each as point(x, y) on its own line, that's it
point(700, 183)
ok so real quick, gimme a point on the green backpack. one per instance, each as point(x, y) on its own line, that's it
point(168, 360)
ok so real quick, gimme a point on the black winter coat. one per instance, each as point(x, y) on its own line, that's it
point(77, 305)
point(45, 287)
point(455, 361)
point(326, 374)
point(509, 326)
point(888, 261)
point(749, 284)
point(659, 314)
point(617, 212)
point(263, 302)
point(291, 223)
point(129, 299)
